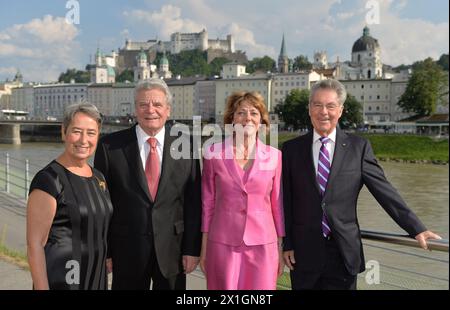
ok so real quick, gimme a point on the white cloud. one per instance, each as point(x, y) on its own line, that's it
point(205, 13)
point(403, 40)
point(345, 15)
point(125, 33)
point(8, 71)
point(47, 29)
point(245, 39)
point(406, 46)
point(41, 48)
point(166, 21)
point(398, 4)
point(170, 19)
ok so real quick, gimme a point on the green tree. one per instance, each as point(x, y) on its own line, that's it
point(77, 75)
point(301, 62)
point(352, 115)
point(215, 66)
point(294, 110)
point(401, 67)
point(425, 88)
point(264, 64)
point(188, 63)
point(126, 75)
point(443, 62)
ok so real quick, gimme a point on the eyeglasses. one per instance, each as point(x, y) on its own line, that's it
point(329, 107)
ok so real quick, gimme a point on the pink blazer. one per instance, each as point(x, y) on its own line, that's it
point(232, 212)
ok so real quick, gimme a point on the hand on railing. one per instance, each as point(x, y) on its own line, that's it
point(423, 236)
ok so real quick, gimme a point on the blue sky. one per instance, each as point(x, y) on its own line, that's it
point(35, 38)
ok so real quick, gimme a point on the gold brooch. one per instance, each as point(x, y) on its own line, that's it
point(101, 183)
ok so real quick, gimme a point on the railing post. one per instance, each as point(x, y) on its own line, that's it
point(27, 177)
point(7, 174)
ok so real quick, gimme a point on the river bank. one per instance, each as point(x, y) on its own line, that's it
point(400, 148)
point(387, 147)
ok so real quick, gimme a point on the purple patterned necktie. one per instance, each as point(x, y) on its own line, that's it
point(323, 172)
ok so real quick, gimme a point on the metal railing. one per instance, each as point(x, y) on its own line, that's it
point(16, 175)
point(400, 258)
point(397, 262)
point(433, 245)
point(402, 264)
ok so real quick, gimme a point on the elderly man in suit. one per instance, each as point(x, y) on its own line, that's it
point(323, 173)
point(155, 230)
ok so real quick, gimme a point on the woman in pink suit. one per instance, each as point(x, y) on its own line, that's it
point(242, 219)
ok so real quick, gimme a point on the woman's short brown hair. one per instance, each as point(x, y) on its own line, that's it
point(253, 98)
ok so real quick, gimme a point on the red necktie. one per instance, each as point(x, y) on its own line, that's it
point(152, 168)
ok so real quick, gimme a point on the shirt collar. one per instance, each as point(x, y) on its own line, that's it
point(331, 136)
point(142, 136)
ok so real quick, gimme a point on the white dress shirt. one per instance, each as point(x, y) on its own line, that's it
point(317, 145)
point(144, 146)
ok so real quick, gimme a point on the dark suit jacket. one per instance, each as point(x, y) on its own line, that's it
point(173, 220)
point(353, 166)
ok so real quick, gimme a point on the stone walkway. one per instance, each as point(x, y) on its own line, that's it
point(13, 277)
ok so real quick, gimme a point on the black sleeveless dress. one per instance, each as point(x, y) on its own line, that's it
point(76, 248)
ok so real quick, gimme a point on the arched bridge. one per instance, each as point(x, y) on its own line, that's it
point(10, 130)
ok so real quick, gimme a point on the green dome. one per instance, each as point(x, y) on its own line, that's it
point(365, 43)
point(164, 60)
point(142, 55)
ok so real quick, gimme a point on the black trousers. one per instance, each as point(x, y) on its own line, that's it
point(150, 275)
point(158, 281)
point(334, 275)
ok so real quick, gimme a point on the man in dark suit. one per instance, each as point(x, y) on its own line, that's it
point(323, 173)
point(155, 231)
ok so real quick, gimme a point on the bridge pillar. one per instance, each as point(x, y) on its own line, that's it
point(10, 133)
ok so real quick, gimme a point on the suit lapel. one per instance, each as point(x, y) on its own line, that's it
point(339, 154)
point(131, 151)
point(309, 159)
point(260, 155)
point(228, 160)
point(167, 159)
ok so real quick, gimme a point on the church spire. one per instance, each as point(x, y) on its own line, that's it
point(283, 48)
point(283, 60)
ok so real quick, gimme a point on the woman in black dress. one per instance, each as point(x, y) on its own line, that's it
point(69, 210)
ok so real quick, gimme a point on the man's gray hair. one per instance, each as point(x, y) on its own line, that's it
point(84, 107)
point(153, 83)
point(335, 85)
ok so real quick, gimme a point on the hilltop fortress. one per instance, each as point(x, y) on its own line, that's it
point(179, 42)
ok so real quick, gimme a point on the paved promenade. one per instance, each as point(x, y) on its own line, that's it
point(13, 277)
point(13, 235)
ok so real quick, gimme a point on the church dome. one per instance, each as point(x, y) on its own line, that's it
point(164, 60)
point(142, 55)
point(365, 43)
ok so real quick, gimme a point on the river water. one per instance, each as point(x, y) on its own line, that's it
point(424, 187)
